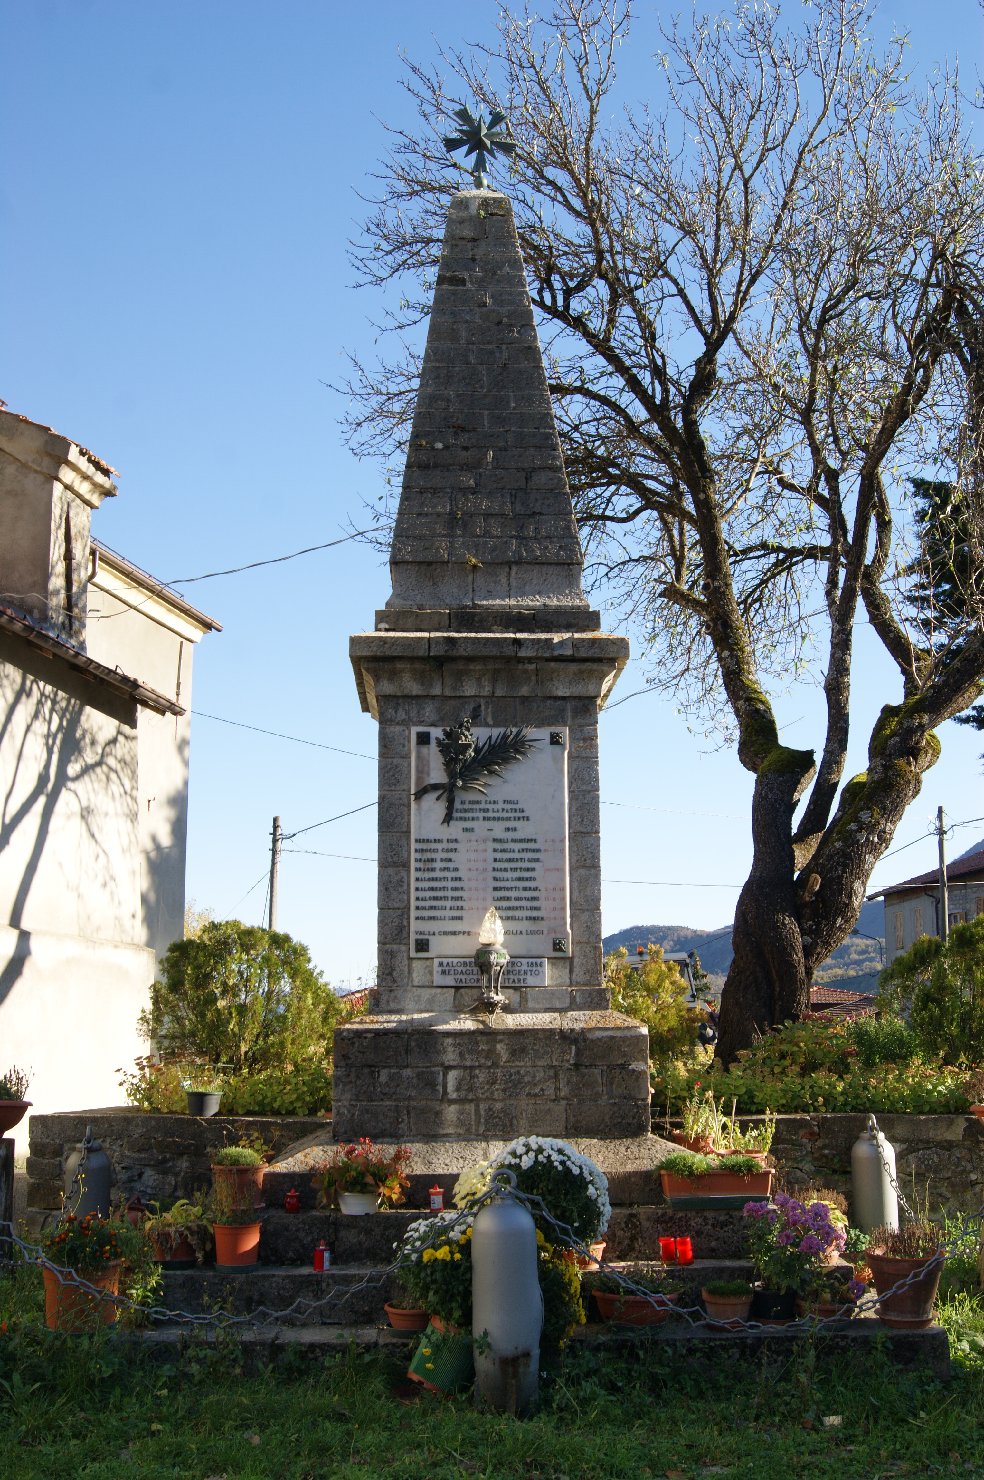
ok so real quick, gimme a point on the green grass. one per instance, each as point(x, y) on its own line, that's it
point(85, 1408)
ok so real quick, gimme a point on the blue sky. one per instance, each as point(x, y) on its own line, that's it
point(179, 186)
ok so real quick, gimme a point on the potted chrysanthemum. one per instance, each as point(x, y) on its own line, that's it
point(14, 1104)
point(573, 1210)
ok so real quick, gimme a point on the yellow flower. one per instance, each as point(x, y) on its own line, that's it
point(429, 1366)
point(428, 1255)
point(427, 1351)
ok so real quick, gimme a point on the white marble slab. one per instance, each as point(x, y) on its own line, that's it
point(507, 848)
point(462, 972)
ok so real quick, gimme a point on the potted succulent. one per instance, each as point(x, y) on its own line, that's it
point(911, 1256)
point(94, 1249)
point(240, 1169)
point(361, 1175)
point(614, 1301)
point(692, 1180)
point(788, 1242)
point(13, 1104)
point(180, 1235)
point(727, 1302)
point(235, 1227)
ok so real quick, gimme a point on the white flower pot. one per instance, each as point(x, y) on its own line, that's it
point(357, 1203)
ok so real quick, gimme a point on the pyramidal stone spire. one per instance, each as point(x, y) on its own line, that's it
point(485, 528)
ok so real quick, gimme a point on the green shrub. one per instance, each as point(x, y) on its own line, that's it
point(656, 994)
point(818, 1065)
point(241, 997)
point(940, 985)
point(236, 1156)
point(304, 1089)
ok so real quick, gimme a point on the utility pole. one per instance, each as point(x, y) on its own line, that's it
point(274, 868)
point(944, 902)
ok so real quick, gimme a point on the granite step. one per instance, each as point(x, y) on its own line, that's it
point(350, 1294)
point(634, 1233)
point(263, 1347)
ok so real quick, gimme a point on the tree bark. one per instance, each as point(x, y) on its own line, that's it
point(768, 980)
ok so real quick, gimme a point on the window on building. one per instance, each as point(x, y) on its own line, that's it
point(917, 921)
point(899, 930)
point(979, 905)
point(956, 917)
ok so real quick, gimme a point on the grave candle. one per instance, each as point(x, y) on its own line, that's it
point(667, 1250)
point(684, 1251)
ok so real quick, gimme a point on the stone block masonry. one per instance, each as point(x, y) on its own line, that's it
point(555, 1074)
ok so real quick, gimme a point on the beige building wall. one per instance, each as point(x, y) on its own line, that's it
point(95, 690)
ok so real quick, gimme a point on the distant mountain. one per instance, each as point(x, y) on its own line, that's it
point(855, 964)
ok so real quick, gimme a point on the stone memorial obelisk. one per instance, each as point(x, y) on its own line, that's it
point(486, 671)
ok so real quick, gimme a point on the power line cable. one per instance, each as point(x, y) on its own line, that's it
point(277, 735)
point(236, 570)
point(316, 853)
point(287, 837)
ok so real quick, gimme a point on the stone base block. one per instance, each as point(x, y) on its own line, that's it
point(431, 1076)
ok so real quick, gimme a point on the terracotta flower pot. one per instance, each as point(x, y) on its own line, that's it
point(243, 1183)
point(702, 1144)
point(910, 1309)
point(178, 1253)
point(70, 1307)
point(236, 1244)
point(634, 1310)
point(12, 1111)
point(826, 1310)
point(726, 1311)
point(402, 1319)
point(682, 1191)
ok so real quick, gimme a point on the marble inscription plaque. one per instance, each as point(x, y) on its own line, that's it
point(507, 848)
point(462, 972)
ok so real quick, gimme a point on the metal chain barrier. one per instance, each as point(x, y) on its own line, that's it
point(265, 1316)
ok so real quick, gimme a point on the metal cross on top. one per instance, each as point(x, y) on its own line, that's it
point(481, 138)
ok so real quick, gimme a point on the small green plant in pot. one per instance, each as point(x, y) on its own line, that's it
point(14, 1103)
point(727, 1302)
point(647, 1300)
point(235, 1227)
point(180, 1235)
point(241, 1168)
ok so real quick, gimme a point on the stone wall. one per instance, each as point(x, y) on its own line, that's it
point(163, 1156)
point(157, 1156)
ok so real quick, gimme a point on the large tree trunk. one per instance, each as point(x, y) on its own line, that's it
point(768, 980)
point(788, 923)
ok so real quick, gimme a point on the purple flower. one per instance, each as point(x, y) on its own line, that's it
point(772, 1214)
point(782, 1199)
point(754, 1209)
point(811, 1244)
point(856, 1289)
point(785, 1237)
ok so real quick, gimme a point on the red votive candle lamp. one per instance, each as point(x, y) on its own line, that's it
point(668, 1250)
point(322, 1256)
point(684, 1250)
point(436, 1196)
point(292, 1201)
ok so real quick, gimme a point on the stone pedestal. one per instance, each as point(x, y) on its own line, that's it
point(427, 1077)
